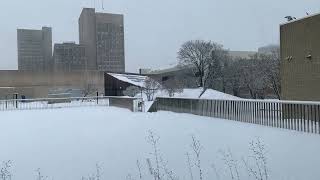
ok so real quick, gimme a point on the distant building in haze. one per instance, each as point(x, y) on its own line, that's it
point(103, 36)
point(69, 57)
point(269, 49)
point(34, 49)
point(236, 55)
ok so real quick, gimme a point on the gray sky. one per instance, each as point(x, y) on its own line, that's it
point(154, 30)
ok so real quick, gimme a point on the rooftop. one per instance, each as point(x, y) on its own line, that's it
point(134, 79)
point(300, 19)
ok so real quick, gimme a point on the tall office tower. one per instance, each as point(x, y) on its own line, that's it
point(103, 36)
point(69, 56)
point(34, 49)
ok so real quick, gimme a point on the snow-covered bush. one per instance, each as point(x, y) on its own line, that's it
point(151, 87)
point(131, 91)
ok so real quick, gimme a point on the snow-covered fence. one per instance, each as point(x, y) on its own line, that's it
point(293, 115)
point(132, 104)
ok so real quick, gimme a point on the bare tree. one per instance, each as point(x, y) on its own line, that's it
point(253, 76)
point(256, 163)
point(88, 90)
point(139, 169)
point(213, 166)
point(160, 169)
point(168, 172)
point(272, 71)
point(172, 86)
point(129, 177)
point(5, 173)
point(151, 86)
point(217, 66)
point(94, 176)
point(98, 171)
point(40, 176)
point(189, 166)
point(232, 77)
point(197, 147)
point(198, 55)
point(151, 169)
point(131, 91)
point(205, 57)
point(231, 163)
point(153, 139)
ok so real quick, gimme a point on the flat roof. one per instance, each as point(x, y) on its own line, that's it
point(300, 19)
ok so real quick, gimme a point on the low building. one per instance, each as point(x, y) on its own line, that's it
point(69, 56)
point(40, 84)
point(180, 74)
point(300, 59)
point(116, 83)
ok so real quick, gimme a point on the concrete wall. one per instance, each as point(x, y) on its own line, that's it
point(300, 76)
point(38, 84)
point(126, 103)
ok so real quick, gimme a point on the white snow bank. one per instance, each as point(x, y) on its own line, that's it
point(191, 93)
point(67, 143)
point(209, 94)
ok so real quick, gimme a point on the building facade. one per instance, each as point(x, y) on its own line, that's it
point(69, 57)
point(41, 84)
point(34, 49)
point(103, 36)
point(300, 59)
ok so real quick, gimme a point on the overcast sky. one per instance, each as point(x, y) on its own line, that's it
point(154, 30)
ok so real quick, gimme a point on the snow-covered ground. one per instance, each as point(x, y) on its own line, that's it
point(191, 93)
point(209, 94)
point(67, 143)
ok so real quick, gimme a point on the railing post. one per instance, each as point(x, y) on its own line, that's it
point(97, 97)
point(16, 97)
point(6, 102)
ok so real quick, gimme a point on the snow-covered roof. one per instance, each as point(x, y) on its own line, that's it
point(299, 19)
point(136, 80)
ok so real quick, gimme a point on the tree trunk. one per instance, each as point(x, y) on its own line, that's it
point(200, 81)
point(276, 88)
point(203, 91)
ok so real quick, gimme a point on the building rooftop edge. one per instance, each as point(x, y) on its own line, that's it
point(29, 29)
point(300, 19)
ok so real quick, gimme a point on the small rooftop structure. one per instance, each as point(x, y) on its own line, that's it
point(134, 79)
point(116, 83)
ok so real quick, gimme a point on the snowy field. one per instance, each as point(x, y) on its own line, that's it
point(67, 143)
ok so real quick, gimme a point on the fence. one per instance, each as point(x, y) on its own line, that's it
point(293, 115)
point(133, 104)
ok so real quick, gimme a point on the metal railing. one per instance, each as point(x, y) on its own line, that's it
point(51, 103)
point(293, 115)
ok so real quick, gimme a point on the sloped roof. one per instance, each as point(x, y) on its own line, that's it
point(136, 80)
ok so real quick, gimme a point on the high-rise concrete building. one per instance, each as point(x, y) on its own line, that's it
point(300, 59)
point(103, 36)
point(34, 49)
point(69, 57)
